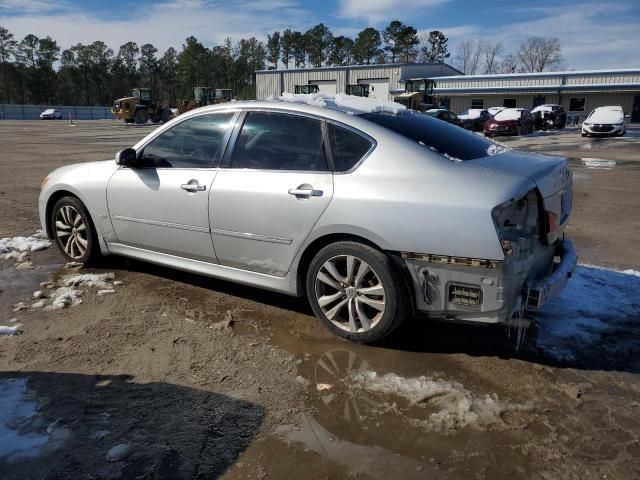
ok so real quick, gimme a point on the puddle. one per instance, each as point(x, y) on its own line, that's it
point(19, 284)
point(24, 432)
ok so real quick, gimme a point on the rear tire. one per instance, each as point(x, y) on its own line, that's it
point(141, 116)
point(357, 292)
point(73, 231)
point(518, 131)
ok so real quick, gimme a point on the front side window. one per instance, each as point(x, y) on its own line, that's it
point(477, 103)
point(194, 143)
point(277, 141)
point(348, 147)
point(576, 104)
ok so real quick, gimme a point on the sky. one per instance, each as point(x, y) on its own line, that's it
point(593, 34)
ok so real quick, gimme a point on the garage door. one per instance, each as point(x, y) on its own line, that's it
point(325, 86)
point(378, 87)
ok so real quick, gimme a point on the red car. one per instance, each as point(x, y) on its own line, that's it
point(510, 121)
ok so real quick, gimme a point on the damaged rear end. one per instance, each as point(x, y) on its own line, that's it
point(537, 257)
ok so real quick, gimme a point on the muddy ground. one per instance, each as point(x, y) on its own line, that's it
point(190, 377)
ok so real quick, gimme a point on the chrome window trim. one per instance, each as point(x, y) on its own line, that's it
point(251, 236)
point(180, 226)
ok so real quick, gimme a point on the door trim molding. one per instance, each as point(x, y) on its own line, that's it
point(251, 236)
point(192, 228)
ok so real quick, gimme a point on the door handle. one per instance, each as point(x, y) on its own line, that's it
point(193, 187)
point(305, 192)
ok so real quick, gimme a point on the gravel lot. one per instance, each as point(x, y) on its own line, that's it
point(179, 376)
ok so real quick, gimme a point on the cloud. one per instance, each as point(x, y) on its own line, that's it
point(164, 24)
point(375, 11)
point(14, 7)
point(593, 35)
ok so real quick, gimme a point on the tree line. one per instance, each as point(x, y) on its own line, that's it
point(36, 70)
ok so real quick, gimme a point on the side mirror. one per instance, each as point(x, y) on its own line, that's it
point(126, 157)
point(627, 116)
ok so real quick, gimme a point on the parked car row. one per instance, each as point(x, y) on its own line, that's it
point(602, 121)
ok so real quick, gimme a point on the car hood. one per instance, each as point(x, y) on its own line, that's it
point(550, 174)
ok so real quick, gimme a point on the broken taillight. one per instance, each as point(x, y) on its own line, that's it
point(552, 222)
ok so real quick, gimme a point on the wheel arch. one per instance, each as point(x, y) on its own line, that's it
point(310, 250)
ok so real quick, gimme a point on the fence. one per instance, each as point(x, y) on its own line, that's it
point(32, 112)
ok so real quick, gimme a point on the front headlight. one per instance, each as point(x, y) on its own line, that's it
point(618, 124)
point(586, 124)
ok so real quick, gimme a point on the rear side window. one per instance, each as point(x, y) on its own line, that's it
point(194, 143)
point(348, 147)
point(445, 138)
point(277, 141)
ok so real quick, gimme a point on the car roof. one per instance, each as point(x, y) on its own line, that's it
point(610, 107)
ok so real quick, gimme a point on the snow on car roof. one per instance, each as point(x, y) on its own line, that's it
point(341, 101)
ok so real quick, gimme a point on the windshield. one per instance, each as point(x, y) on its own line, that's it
point(451, 141)
point(606, 115)
point(471, 113)
point(508, 114)
point(48, 111)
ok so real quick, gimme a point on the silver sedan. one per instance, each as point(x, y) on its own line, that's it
point(374, 213)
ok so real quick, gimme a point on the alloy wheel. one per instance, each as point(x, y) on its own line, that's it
point(71, 231)
point(350, 293)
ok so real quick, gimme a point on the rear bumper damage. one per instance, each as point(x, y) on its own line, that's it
point(490, 291)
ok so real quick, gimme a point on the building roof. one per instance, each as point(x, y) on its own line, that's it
point(363, 66)
point(540, 74)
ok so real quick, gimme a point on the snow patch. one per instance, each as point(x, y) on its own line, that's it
point(455, 406)
point(101, 281)
point(595, 300)
point(33, 243)
point(11, 331)
point(65, 297)
point(23, 432)
point(598, 163)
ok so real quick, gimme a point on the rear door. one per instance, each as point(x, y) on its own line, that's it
point(163, 204)
point(270, 192)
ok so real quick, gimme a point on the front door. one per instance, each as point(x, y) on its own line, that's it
point(278, 183)
point(163, 203)
point(635, 113)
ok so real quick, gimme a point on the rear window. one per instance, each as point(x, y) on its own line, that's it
point(449, 140)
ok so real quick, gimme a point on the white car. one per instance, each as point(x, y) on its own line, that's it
point(604, 121)
point(51, 114)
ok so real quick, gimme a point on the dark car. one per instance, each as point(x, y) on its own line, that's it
point(445, 115)
point(510, 121)
point(474, 119)
point(549, 116)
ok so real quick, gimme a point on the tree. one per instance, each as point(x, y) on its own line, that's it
point(434, 47)
point(318, 41)
point(128, 60)
point(149, 63)
point(538, 54)
point(273, 48)
point(83, 58)
point(509, 64)
point(191, 65)
point(286, 47)
point(101, 59)
point(341, 51)
point(7, 50)
point(46, 56)
point(491, 52)
point(468, 55)
point(367, 45)
point(167, 69)
point(298, 41)
point(401, 41)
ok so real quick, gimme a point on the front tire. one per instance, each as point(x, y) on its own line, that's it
point(141, 116)
point(73, 231)
point(357, 292)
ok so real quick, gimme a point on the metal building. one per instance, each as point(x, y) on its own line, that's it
point(578, 91)
point(382, 80)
